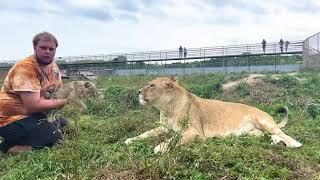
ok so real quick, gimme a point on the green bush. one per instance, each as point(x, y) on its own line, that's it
point(313, 109)
point(242, 89)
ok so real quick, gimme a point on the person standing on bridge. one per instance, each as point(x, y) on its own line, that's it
point(23, 123)
point(281, 45)
point(184, 52)
point(286, 45)
point(180, 51)
point(264, 43)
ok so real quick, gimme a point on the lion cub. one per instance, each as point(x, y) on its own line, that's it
point(75, 91)
point(195, 117)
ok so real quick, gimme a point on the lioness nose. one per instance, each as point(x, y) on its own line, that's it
point(139, 91)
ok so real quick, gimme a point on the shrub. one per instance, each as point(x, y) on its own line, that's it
point(242, 89)
point(313, 109)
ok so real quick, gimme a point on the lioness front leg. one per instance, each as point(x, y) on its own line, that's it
point(151, 133)
point(162, 147)
point(186, 137)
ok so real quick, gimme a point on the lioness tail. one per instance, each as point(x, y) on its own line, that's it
point(284, 121)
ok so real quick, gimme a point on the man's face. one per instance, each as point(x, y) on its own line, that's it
point(45, 51)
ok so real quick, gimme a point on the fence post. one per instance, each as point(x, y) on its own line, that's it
point(226, 61)
point(248, 62)
point(184, 65)
point(204, 61)
point(275, 59)
point(318, 41)
point(165, 63)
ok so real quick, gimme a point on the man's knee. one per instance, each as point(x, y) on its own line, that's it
point(46, 134)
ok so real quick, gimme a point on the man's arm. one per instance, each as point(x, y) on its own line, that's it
point(33, 103)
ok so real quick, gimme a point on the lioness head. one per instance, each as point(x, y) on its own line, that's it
point(158, 91)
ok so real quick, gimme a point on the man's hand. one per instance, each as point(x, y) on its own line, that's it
point(33, 103)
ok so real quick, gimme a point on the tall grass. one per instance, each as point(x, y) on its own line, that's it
point(98, 150)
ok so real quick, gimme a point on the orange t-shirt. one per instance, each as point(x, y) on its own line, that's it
point(25, 76)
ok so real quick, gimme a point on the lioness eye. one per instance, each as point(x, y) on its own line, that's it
point(151, 85)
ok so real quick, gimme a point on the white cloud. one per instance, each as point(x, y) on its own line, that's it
point(102, 27)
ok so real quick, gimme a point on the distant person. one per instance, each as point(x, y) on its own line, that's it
point(281, 45)
point(287, 44)
point(264, 43)
point(180, 51)
point(185, 52)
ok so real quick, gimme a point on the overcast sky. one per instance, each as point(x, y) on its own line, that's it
point(85, 27)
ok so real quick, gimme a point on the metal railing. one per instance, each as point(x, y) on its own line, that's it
point(192, 53)
point(311, 51)
point(234, 58)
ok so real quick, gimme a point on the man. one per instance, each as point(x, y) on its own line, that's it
point(287, 44)
point(281, 45)
point(264, 42)
point(180, 51)
point(23, 125)
point(184, 52)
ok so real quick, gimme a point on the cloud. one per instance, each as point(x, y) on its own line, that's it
point(109, 26)
point(96, 14)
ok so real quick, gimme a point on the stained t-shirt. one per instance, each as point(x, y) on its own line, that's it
point(25, 76)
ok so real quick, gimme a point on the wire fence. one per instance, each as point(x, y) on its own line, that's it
point(236, 58)
point(311, 51)
point(274, 57)
point(198, 53)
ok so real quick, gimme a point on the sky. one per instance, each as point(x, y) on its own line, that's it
point(89, 27)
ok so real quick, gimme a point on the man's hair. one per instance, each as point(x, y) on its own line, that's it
point(45, 36)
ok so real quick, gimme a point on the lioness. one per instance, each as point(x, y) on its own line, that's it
point(203, 117)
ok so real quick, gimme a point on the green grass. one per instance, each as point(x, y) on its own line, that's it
point(98, 151)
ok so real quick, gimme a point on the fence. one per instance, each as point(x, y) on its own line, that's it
point(311, 53)
point(236, 58)
point(196, 53)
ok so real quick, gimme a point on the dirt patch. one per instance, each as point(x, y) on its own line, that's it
point(256, 78)
point(251, 79)
point(266, 92)
point(299, 171)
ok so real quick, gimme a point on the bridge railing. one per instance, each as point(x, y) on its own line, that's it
point(235, 58)
point(202, 52)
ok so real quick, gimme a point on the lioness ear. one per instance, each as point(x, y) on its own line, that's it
point(170, 84)
point(88, 84)
point(174, 79)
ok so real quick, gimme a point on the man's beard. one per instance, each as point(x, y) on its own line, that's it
point(44, 62)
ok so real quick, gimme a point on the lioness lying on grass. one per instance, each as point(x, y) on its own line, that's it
point(195, 117)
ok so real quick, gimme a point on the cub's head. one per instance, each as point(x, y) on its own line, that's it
point(158, 91)
point(77, 89)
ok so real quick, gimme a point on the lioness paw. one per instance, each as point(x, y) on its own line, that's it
point(275, 139)
point(129, 141)
point(295, 144)
point(161, 148)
